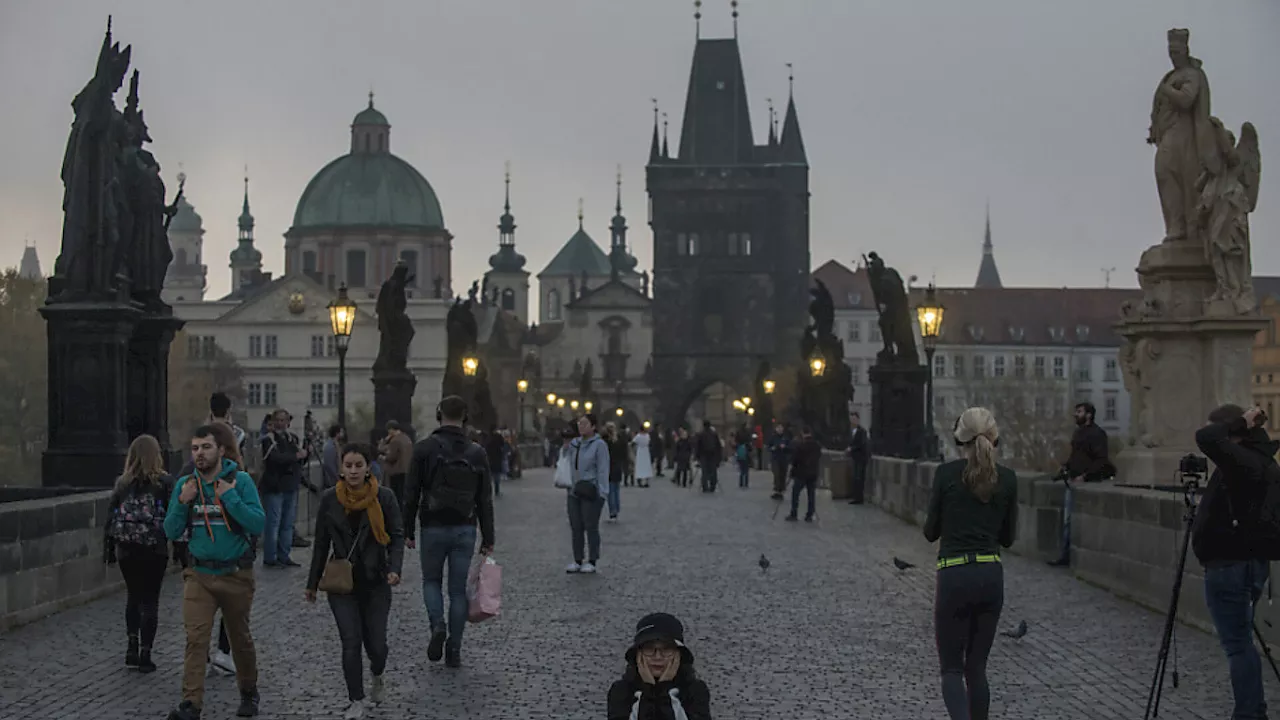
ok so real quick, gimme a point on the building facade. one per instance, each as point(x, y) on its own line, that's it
point(857, 324)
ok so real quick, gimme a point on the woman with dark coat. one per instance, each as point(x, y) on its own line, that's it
point(360, 522)
point(659, 682)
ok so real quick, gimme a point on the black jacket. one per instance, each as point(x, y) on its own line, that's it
point(858, 444)
point(619, 458)
point(655, 700)
point(1089, 454)
point(684, 450)
point(334, 536)
point(708, 448)
point(806, 459)
point(282, 470)
point(1229, 509)
point(430, 453)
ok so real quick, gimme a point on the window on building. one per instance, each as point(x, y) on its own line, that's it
point(317, 346)
point(1109, 407)
point(693, 248)
point(309, 266)
point(509, 299)
point(1040, 406)
point(356, 269)
point(979, 366)
point(940, 366)
point(1039, 365)
point(208, 347)
point(255, 346)
point(997, 368)
point(855, 331)
point(330, 346)
point(193, 346)
point(1084, 369)
point(1019, 365)
point(1111, 370)
point(739, 243)
point(331, 394)
point(682, 243)
point(855, 370)
point(269, 394)
point(744, 239)
point(874, 335)
point(254, 394)
point(1059, 367)
point(317, 394)
point(410, 259)
point(553, 304)
point(957, 366)
point(271, 346)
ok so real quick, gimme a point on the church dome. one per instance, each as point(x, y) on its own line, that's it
point(369, 187)
point(186, 219)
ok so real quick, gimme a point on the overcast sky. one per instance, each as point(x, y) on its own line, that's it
point(914, 115)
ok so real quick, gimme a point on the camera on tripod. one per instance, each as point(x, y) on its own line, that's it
point(1193, 465)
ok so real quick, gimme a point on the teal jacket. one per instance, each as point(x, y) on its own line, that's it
point(204, 516)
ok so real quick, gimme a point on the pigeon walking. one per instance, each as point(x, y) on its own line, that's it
point(902, 564)
point(1017, 634)
point(764, 563)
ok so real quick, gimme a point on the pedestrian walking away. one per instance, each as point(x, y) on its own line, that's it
point(282, 460)
point(972, 514)
point(710, 452)
point(658, 445)
point(659, 682)
point(683, 455)
point(644, 458)
point(359, 550)
point(744, 464)
point(859, 455)
point(617, 461)
point(219, 507)
point(496, 448)
point(396, 452)
point(1236, 512)
point(780, 459)
point(806, 463)
point(586, 496)
point(450, 491)
point(136, 541)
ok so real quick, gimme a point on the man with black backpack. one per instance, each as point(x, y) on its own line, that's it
point(450, 478)
point(1236, 533)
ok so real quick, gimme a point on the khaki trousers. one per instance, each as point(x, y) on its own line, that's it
point(202, 596)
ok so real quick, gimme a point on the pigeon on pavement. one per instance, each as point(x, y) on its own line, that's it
point(902, 564)
point(764, 563)
point(1017, 634)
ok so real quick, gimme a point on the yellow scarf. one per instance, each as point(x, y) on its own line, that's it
point(365, 498)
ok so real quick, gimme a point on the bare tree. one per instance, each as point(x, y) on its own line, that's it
point(195, 373)
point(23, 378)
point(1033, 414)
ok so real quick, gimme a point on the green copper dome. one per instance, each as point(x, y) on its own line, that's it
point(363, 189)
point(370, 116)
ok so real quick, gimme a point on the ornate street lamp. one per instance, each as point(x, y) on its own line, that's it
point(342, 319)
point(588, 405)
point(737, 405)
point(470, 364)
point(769, 385)
point(573, 405)
point(929, 315)
point(551, 398)
point(560, 403)
point(522, 386)
point(817, 364)
point(646, 425)
point(618, 412)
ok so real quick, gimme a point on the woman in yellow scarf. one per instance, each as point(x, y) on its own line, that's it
point(359, 522)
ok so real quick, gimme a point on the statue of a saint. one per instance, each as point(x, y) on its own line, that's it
point(822, 310)
point(394, 325)
point(145, 252)
point(896, 329)
point(1225, 201)
point(1184, 139)
point(87, 263)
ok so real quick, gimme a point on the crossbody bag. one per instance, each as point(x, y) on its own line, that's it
point(338, 578)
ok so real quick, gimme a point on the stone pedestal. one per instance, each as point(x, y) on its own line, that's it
point(89, 375)
point(897, 410)
point(392, 400)
point(148, 368)
point(1185, 355)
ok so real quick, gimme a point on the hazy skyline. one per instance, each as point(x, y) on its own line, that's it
point(914, 115)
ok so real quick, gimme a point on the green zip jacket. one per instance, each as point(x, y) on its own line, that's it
point(205, 517)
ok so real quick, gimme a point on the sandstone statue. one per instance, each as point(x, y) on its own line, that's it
point(1226, 199)
point(1186, 146)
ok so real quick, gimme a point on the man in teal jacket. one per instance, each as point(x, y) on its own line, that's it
point(220, 504)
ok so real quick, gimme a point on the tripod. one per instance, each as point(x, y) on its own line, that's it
point(1189, 490)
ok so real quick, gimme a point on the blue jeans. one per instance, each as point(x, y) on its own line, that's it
point(615, 499)
point(809, 484)
point(1068, 499)
point(744, 470)
point(457, 545)
point(497, 482)
point(709, 479)
point(1231, 590)
point(277, 538)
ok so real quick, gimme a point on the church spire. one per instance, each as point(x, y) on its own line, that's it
point(773, 130)
point(988, 275)
point(666, 153)
point(507, 259)
point(654, 149)
point(792, 141)
point(246, 260)
point(246, 218)
point(620, 262)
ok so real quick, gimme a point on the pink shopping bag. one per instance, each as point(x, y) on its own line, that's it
point(484, 590)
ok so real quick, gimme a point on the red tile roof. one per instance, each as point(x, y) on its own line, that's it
point(1031, 316)
point(850, 289)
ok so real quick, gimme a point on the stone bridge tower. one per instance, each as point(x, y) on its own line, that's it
point(730, 223)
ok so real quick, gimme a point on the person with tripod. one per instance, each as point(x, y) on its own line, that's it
point(1229, 536)
point(973, 511)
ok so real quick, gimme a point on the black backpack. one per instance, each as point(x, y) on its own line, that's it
point(454, 482)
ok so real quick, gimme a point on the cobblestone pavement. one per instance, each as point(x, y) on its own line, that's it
point(831, 631)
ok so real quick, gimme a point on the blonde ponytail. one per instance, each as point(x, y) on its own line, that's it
point(977, 431)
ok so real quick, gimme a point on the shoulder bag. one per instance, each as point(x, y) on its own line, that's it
point(338, 578)
point(584, 489)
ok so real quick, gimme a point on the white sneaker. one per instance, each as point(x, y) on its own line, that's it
point(587, 569)
point(573, 568)
point(223, 662)
point(354, 711)
point(378, 691)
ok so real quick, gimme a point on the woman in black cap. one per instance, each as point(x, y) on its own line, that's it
point(974, 511)
point(659, 682)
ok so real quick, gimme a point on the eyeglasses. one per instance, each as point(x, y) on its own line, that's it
point(657, 650)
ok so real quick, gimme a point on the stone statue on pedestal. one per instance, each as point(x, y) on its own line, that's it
point(897, 379)
point(1226, 199)
point(824, 399)
point(394, 326)
point(896, 328)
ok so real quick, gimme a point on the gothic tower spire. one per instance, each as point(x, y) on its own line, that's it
point(792, 141)
point(246, 260)
point(620, 262)
point(988, 275)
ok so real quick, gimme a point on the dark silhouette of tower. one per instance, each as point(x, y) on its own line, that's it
point(730, 226)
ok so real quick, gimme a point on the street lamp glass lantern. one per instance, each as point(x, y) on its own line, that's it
point(559, 402)
point(737, 405)
point(618, 412)
point(746, 401)
point(817, 365)
point(769, 385)
point(551, 398)
point(573, 404)
point(646, 425)
point(342, 316)
point(929, 315)
point(470, 364)
point(522, 386)
point(751, 411)
point(588, 405)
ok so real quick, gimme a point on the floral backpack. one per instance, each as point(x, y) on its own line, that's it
point(139, 520)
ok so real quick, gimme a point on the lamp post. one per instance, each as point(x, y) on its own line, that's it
point(929, 315)
point(588, 405)
point(470, 365)
point(817, 364)
point(342, 317)
point(522, 387)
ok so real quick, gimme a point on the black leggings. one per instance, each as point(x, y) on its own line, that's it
point(966, 613)
point(362, 624)
point(143, 570)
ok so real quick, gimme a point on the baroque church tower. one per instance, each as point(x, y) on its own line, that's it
point(187, 277)
point(246, 260)
point(730, 223)
point(507, 276)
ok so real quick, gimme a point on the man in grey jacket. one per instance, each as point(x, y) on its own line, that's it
point(590, 457)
